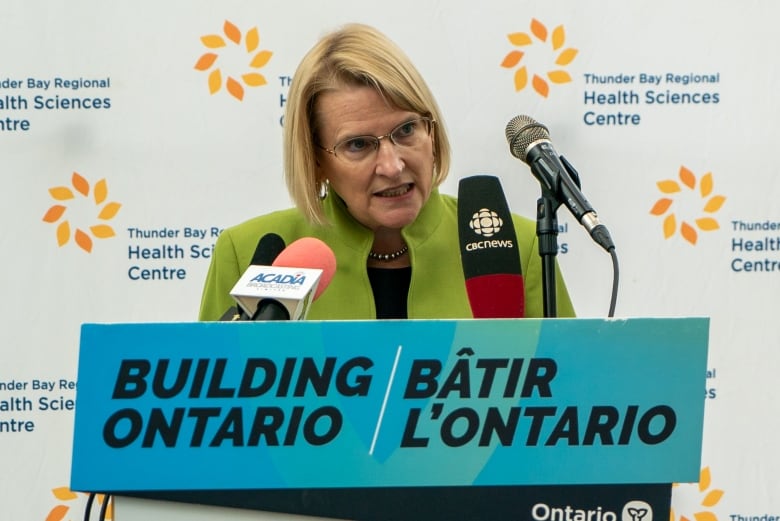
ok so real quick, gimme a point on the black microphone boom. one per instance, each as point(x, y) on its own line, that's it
point(529, 141)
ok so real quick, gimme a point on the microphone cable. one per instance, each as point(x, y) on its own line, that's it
point(88, 508)
point(601, 235)
point(107, 498)
point(615, 279)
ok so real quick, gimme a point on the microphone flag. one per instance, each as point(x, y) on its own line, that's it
point(488, 249)
point(293, 288)
point(268, 248)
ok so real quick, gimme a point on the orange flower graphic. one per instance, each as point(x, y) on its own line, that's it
point(710, 204)
point(105, 211)
point(65, 494)
point(256, 60)
point(562, 56)
point(711, 497)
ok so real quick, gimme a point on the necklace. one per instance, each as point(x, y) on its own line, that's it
point(387, 256)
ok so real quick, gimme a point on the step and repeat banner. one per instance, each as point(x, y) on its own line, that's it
point(132, 133)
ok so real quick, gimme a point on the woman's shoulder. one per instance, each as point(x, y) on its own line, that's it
point(284, 218)
point(288, 224)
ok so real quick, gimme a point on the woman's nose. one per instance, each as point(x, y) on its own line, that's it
point(388, 159)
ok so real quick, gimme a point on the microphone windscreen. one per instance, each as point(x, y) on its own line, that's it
point(521, 132)
point(308, 252)
point(488, 249)
point(268, 248)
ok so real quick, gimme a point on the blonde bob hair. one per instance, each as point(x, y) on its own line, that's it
point(355, 54)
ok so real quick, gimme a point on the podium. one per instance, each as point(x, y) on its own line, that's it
point(391, 420)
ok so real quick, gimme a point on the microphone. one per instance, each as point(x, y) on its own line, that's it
point(529, 141)
point(268, 248)
point(488, 249)
point(309, 252)
point(285, 290)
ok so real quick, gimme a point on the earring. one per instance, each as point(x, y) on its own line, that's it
point(323, 187)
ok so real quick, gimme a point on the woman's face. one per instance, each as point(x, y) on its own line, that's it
point(382, 188)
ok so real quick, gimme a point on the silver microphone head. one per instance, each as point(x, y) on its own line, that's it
point(521, 132)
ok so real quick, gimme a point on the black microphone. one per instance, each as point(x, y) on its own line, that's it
point(529, 141)
point(488, 249)
point(268, 248)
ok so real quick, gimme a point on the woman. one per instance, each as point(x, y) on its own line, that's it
point(365, 151)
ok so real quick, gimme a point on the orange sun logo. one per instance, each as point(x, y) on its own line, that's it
point(65, 494)
point(255, 60)
point(709, 204)
point(105, 211)
point(709, 498)
point(562, 56)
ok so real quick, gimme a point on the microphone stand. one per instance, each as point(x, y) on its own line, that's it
point(547, 232)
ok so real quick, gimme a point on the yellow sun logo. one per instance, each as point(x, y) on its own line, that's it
point(705, 200)
point(561, 57)
point(254, 59)
point(65, 494)
point(57, 213)
point(709, 498)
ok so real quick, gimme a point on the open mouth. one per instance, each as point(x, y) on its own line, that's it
point(395, 192)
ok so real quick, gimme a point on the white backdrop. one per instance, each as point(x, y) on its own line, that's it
point(163, 153)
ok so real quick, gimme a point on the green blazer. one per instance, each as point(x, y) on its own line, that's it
point(437, 288)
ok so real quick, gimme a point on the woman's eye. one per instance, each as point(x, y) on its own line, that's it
point(405, 130)
point(356, 145)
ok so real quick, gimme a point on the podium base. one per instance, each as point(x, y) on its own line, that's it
point(488, 503)
point(137, 509)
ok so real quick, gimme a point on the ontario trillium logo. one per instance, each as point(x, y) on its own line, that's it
point(549, 62)
point(687, 205)
point(637, 510)
point(80, 193)
point(252, 58)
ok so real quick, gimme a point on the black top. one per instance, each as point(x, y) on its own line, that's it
point(391, 288)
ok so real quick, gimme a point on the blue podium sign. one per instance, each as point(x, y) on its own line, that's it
point(274, 405)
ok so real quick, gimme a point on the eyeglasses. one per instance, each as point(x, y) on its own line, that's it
point(359, 148)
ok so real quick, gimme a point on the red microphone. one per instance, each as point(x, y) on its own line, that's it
point(311, 253)
point(285, 289)
point(304, 253)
